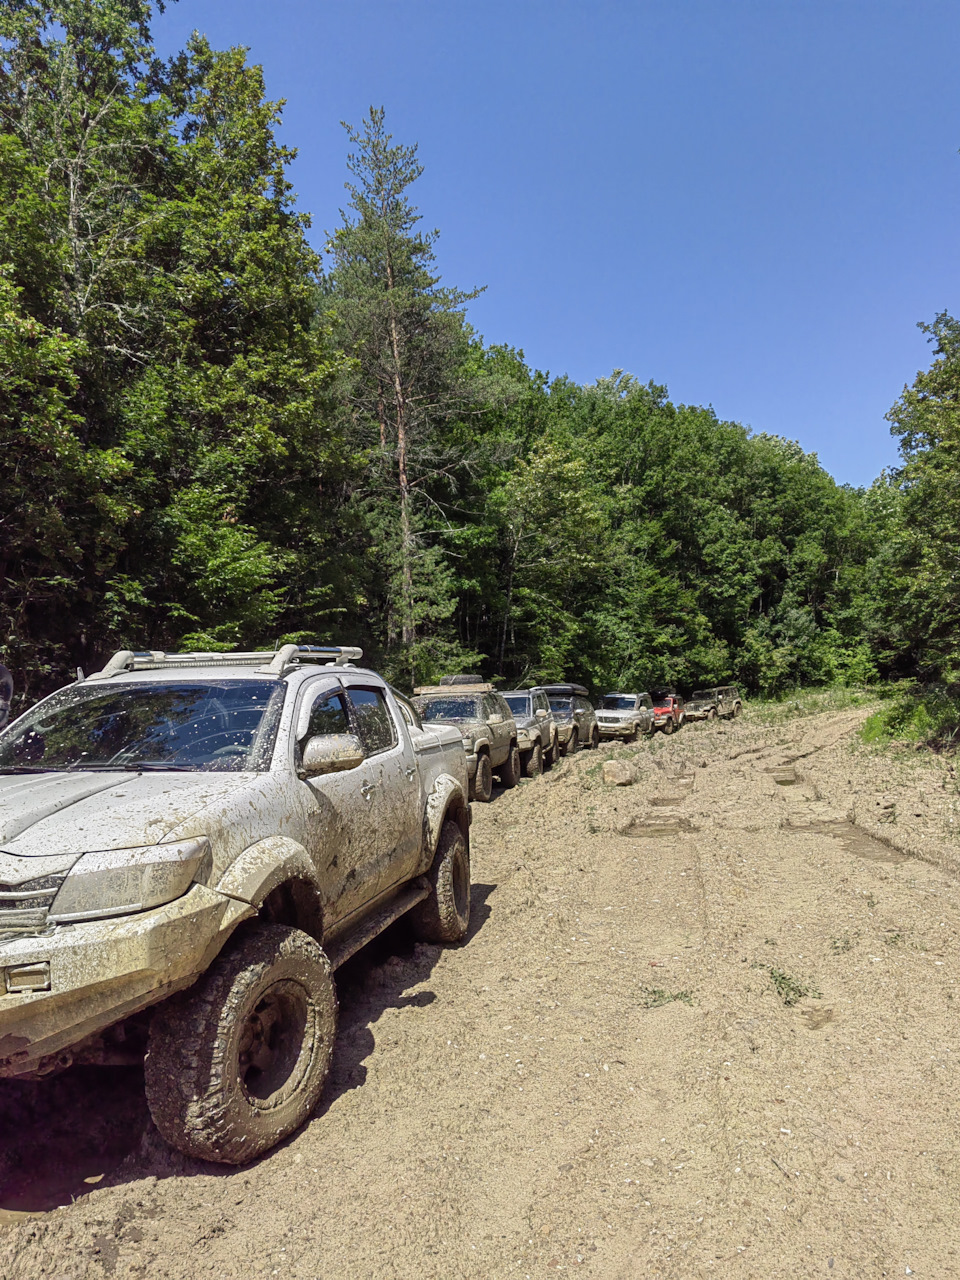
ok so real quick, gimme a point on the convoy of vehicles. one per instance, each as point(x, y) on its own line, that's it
point(536, 729)
point(190, 844)
point(488, 728)
point(576, 719)
point(625, 715)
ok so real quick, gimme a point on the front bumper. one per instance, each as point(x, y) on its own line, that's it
point(102, 971)
point(621, 729)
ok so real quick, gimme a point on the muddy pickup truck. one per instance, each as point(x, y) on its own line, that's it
point(486, 725)
point(190, 844)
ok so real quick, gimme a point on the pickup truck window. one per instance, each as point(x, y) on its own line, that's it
point(327, 715)
point(210, 726)
point(373, 721)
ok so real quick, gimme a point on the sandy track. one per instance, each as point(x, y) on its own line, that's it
point(535, 1102)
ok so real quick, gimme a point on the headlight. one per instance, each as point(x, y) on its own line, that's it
point(117, 881)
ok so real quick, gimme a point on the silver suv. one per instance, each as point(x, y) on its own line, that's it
point(189, 846)
point(576, 719)
point(536, 729)
point(488, 728)
point(624, 715)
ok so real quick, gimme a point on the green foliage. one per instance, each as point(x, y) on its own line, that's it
point(930, 716)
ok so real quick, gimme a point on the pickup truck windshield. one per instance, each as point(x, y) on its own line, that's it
point(519, 705)
point(618, 702)
point(449, 709)
point(222, 726)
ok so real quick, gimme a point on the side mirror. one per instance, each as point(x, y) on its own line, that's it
point(541, 714)
point(330, 753)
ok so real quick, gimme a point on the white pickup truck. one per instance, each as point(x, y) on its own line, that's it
point(189, 846)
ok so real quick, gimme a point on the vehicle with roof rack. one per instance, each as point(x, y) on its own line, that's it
point(625, 715)
point(190, 844)
point(536, 729)
point(486, 725)
point(710, 704)
point(576, 719)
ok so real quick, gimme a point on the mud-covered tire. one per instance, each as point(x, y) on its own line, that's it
point(736, 710)
point(481, 786)
point(712, 713)
point(551, 754)
point(667, 727)
point(572, 745)
point(510, 769)
point(238, 1062)
point(533, 761)
point(445, 915)
point(595, 739)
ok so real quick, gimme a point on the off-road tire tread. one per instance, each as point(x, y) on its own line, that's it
point(188, 1068)
point(510, 769)
point(436, 918)
point(535, 754)
point(476, 793)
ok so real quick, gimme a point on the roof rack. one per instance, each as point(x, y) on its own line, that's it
point(451, 689)
point(270, 662)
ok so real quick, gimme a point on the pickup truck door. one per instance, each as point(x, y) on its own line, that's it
point(395, 804)
point(351, 831)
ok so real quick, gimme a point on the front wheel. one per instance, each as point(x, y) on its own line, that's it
point(481, 788)
point(533, 761)
point(712, 713)
point(667, 727)
point(445, 915)
point(573, 744)
point(510, 769)
point(595, 738)
point(238, 1062)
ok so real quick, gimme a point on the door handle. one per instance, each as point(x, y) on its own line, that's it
point(367, 789)
point(410, 771)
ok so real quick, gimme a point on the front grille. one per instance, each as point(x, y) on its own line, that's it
point(24, 907)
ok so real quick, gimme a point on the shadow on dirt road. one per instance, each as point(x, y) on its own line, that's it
point(89, 1127)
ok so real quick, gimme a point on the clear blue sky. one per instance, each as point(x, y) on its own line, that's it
point(751, 202)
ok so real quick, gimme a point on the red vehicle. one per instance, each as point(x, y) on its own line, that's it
point(667, 710)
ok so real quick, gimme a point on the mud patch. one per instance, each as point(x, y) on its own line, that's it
point(855, 840)
point(642, 828)
point(783, 776)
point(665, 800)
point(817, 1018)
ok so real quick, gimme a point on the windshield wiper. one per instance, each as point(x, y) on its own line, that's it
point(156, 766)
point(23, 768)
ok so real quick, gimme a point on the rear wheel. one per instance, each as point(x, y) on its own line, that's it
point(510, 769)
point(238, 1062)
point(533, 761)
point(445, 915)
point(481, 788)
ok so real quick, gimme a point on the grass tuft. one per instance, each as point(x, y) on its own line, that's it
point(787, 988)
point(654, 997)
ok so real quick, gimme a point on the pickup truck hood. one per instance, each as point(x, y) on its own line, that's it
point(53, 814)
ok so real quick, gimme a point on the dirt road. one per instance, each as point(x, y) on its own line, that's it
point(705, 1025)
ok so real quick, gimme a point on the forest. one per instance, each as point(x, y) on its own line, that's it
point(213, 435)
